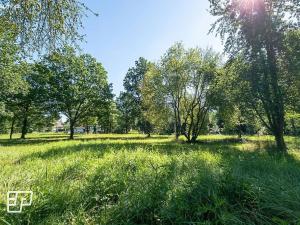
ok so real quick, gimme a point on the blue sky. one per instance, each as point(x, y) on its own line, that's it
point(128, 29)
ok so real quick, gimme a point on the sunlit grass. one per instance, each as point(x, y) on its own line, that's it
point(131, 179)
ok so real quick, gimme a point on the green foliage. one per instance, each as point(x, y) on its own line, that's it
point(132, 98)
point(77, 85)
point(124, 105)
point(108, 117)
point(27, 107)
point(249, 25)
point(292, 123)
point(10, 78)
point(154, 99)
point(255, 31)
point(291, 69)
point(43, 25)
point(182, 82)
point(231, 99)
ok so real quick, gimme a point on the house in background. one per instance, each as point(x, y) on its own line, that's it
point(59, 126)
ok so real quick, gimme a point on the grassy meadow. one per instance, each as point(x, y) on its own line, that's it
point(130, 179)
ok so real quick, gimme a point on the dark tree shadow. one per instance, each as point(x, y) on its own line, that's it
point(49, 139)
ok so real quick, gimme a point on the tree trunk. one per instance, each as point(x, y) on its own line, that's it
point(110, 127)
point(294, 127)
point(188, 137)
point(175, 125)
point(178, 128)
point(277, 103)
point(177, 120)
point(71, 130)
point(24, 127)
point(177, 136)
point(12, 128)
point(240, 135)
point(194, 139)
point(239, 131)
point(280, 141)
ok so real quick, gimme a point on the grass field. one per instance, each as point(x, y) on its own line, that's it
point(130, 179)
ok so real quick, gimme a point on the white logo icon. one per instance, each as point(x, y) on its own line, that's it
point(17, 199)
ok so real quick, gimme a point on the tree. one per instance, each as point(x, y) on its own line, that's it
point(5, 117)
point(10, 77)
point(175, 81)
point(11, 81)
point(124, 105)
point(255, 29)
point(201, 70)
point(43, 24)
point(231, 96)
point(154, 99)
point(187, 76)
point(27, 106)
point(290, 67)
point(107, 117)
point(182, 81)
point(132, 85)
point(77, 84)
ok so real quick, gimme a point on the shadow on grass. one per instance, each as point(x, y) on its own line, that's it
point(49, 139)
point(168, 147)
point(99, 148)
point(29, 141)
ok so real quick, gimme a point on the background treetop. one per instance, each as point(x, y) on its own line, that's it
point(44, 24)
point(242, 22)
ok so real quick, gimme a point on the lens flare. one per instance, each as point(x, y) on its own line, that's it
point(250, 6)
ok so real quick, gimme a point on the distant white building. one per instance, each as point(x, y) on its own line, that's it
point(58, 126)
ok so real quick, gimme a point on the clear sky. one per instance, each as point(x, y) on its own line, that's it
point(128, 29)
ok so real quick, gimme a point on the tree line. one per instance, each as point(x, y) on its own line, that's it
point(253, 88)
point(193, 91)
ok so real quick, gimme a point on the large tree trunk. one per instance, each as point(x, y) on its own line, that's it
point(12, 127)
point(24, 127)
point(280, 143)
point(71, 130)
point(278, 109)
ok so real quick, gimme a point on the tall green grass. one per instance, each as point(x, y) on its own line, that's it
point(130, 179)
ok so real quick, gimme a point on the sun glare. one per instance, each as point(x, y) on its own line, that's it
point(250, 6)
